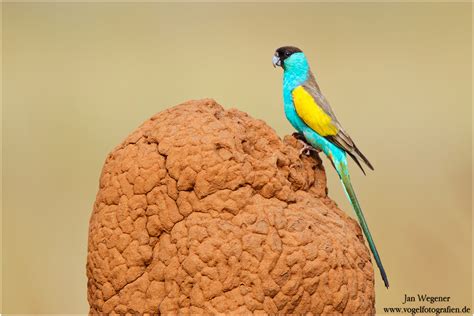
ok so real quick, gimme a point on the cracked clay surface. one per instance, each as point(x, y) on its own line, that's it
point(203, 210)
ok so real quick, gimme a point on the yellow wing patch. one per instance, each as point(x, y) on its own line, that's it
point(311, 113)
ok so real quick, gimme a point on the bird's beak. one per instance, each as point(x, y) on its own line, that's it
point(276, 61)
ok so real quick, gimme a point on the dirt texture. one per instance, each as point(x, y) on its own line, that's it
point(203, 210)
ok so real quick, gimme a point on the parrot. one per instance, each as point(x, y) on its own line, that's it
point(309, 112)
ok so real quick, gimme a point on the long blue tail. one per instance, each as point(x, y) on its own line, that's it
point(338, 158)
point(342, 170)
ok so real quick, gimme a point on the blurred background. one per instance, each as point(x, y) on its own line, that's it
point(79, 77)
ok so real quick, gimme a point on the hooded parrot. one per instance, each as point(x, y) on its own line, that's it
point(311, 115)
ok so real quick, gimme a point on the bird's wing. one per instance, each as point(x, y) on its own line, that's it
point(312, 113)
point(315, 111)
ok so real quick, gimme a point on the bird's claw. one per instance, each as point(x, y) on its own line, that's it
point(307, 149)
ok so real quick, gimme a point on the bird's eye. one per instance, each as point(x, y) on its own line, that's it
point(287, 54)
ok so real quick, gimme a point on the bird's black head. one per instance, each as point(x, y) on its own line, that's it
point(283, 53)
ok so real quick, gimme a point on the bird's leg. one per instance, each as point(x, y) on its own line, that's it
point(307, 148)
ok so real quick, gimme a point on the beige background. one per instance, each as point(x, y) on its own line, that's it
point(78, 78)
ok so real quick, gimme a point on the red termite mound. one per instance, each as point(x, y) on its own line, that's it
point(206, 210)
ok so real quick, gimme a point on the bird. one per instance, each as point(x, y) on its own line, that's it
point(309, 112)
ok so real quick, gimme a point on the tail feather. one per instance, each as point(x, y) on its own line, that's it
point(361, 155)
point(356, 161)
point(346, 183)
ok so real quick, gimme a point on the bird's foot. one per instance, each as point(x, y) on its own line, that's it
point(307, 148)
